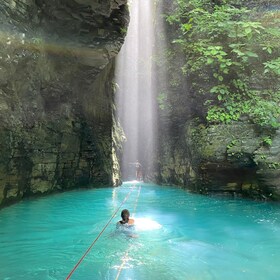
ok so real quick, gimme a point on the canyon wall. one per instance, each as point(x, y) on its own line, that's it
point(57, 128)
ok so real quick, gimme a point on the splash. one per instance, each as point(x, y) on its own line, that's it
point(146, 224)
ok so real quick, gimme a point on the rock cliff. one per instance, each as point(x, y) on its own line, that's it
point(238, 158)
point(235, 159)
point(57, 128)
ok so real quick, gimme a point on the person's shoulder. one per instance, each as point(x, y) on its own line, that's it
point(131, 222)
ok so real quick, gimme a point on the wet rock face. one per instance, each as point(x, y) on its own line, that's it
point(56, 94)
point(236, 159)
point(89, 30)
point(264, 4)
point(104, 7)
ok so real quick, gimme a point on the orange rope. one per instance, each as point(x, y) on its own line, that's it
point(89, 248)
point(136, 202)
point(125, 258)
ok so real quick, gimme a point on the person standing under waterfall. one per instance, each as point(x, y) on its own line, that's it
point(139, 170)
point(139, 173)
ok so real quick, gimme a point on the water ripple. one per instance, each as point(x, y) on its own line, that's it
point(195, 237)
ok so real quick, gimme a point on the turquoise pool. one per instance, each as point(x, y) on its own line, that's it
point(179, 236)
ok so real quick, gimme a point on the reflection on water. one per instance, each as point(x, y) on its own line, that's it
point(179, 236)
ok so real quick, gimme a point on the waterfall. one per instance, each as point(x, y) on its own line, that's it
point(136, 96)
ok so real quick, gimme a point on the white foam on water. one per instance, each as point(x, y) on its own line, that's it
point(146, 224)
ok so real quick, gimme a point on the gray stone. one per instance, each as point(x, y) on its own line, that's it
point(57, 127)
point(231, 159)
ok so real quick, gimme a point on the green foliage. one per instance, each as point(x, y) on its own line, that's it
point(267, 140)
point(234, 149)
point(232, 58)
point(123, 30)
point(274, 165)
point(232, 144)
point(162, 101)
point(272, 66)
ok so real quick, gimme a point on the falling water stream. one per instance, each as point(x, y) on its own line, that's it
point(178, 235)
point(136, 100)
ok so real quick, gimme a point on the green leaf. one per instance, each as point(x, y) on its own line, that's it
point(248, 30)
point(251, 54)
point(187, 26)
point(210, 60)
point(269, 50)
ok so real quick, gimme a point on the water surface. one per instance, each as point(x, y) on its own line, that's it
point(179, 236)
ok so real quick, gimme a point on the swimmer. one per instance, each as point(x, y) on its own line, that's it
point(125, 219)
point(126, 225)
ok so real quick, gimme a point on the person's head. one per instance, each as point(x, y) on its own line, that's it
point(125, 216)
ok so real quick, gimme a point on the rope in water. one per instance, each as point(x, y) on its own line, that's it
point(136, 202)
point(92, 244)
point(125, 258)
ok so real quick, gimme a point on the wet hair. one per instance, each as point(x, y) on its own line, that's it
point(125, 216)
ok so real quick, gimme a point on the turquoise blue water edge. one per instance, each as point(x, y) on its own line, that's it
point(178, 235)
